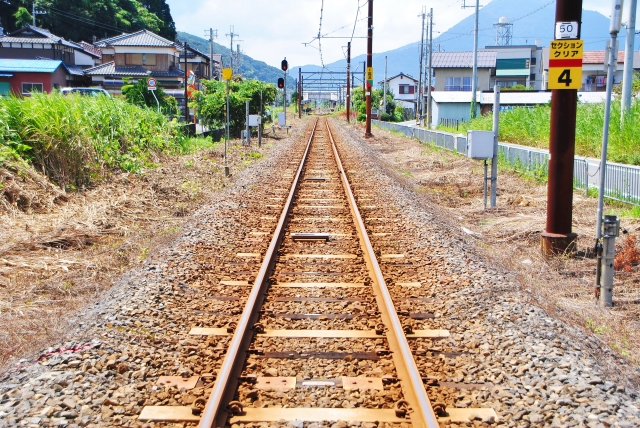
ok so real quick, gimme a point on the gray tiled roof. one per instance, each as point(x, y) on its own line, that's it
point(31, 34)
point(486, 59)
point(111, 69)
point(139, 38)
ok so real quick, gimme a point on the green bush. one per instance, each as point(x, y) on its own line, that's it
point(77, 139)
point(362, 117)
point(386, 117)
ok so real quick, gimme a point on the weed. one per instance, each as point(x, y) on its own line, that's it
point(628, 256)
point(595, 327)
point(192, 188)
point(406, 172)
point(144, 251)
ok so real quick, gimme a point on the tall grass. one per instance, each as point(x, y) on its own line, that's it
point(76, 140)
point(530, 127)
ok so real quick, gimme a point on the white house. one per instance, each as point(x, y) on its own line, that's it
point(404, 89)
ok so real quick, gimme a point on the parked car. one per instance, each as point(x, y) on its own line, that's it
point(92, 92)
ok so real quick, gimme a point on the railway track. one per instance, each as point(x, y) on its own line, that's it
point(319, 339)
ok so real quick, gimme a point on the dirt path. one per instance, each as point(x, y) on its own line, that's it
point(510, 235)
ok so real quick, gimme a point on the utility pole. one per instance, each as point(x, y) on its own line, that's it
point(364, 80)
point(627, 80)
point(474, 84)
point(186, 87)
point(429, 68)
point(299, 93)
point(212, 34)
point(420, 99)
point(231, 35)
point(558, 237)
point(384, 89)
point(369, 77)
point(35, 12)
point(348, 82)
point(238, 58)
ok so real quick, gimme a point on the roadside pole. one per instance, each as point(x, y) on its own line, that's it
point(186, 87)
point(348, 82)
point(384, 89)
point(227, 74)
point(299, 93)
point(627, 80)
point(558, 238)
point(607, 249)
point(474, 83)
point(248, 127)
point(369, 77)
point(420, 98)
point(429, 69)
point(494, 160)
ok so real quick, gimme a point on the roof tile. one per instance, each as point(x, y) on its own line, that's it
point(486, 59)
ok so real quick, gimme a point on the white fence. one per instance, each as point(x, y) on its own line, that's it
point(622, 182)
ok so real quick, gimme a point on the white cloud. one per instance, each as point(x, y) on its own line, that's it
point(271, 30)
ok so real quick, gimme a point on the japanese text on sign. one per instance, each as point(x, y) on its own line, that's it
point(566, 49)
point(369, 73)
point(565, 64)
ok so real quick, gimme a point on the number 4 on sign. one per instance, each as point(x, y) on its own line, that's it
point(565, 78)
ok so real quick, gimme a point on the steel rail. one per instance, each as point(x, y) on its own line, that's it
point(215, 413)
point(422, 414)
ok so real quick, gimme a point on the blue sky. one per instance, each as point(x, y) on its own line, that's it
point(271, 30)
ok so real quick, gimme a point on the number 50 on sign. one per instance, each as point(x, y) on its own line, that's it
point(565, 64)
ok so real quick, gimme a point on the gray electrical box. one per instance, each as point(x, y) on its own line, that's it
point(255, 120)
point(480, 144)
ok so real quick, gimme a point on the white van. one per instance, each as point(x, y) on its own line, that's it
point(92, 92)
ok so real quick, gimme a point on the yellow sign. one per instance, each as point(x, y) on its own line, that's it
point(227, 73)
point(369, 73)
point(565, 64)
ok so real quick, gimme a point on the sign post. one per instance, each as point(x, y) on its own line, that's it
point(227, 74)
point(151, 85)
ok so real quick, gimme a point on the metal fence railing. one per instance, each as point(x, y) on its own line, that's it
point(622, 182)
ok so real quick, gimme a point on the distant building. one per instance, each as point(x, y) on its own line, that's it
point(22, 77)
point(142, 54)
point(453, 71)
point(518, 65)
point(404, 89)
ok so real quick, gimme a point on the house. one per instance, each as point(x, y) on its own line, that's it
point(32, 43)
point(594, 74)
point(24, 76)
point(518, 65)
point(404, 89)
point(453, 71)
point(142, 54)
point(198, 62)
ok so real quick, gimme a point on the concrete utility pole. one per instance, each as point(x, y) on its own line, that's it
point(231, 35)
point(474, 83)
point(238, 58)
point(558, 237)
point(186, 86)
point(429, 68)
point(369, 84)
point(212, 34)
point(627, 80)
point(348, 82)
point(35, 12)
point(496, 133)
point(384, 89)
point(420, 98)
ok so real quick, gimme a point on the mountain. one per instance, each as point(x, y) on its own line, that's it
point(82, 20)
point(525, 16)
point(249, 67)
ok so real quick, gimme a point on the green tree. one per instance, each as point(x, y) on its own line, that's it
point(139, 94)
point(23, 17)
point(211, 102)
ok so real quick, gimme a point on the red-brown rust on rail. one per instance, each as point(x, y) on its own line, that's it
point(215, 412)
point(413, 387)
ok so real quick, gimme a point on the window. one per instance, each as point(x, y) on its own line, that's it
point(533, 60)
point(148, 59)
point(406, 89)
point(453, 84)
point(466, 84)
point(29, 88)
point(5, 89)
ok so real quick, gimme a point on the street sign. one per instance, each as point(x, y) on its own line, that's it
point(151, 84)
point(567, 30)
point(565, 64)
point(369, 77)
point(227, 73)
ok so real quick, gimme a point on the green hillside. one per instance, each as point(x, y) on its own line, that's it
point(249, 67)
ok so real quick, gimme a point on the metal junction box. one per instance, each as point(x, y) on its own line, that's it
point(255, 120)
point(480, 144)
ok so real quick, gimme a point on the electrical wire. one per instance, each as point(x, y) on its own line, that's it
point(82, 19)
point(319, 34)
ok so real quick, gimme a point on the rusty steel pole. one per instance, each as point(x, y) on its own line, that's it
point(348, 82)
point(369, 84)
point(558, 237)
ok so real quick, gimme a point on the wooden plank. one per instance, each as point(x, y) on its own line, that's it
point(167, 414)
point(272, 414)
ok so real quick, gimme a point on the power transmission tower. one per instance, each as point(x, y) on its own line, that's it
point(474, 84)
point(213, 34)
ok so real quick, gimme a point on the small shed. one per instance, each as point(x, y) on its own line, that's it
point(24, 76)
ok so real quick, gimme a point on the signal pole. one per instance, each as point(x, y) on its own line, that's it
point(369, 71)
point(558, 237)
point(299, 93)
point(186, 86)
point(627, 80)
point(348, 82)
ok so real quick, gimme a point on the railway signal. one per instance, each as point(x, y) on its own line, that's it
point(281, 83)
point(284, 65)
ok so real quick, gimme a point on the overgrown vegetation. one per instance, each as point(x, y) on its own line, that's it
point(530, 127)
point(211, 104)
point(393, 113)
point(139, 94)
point(77, 140)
